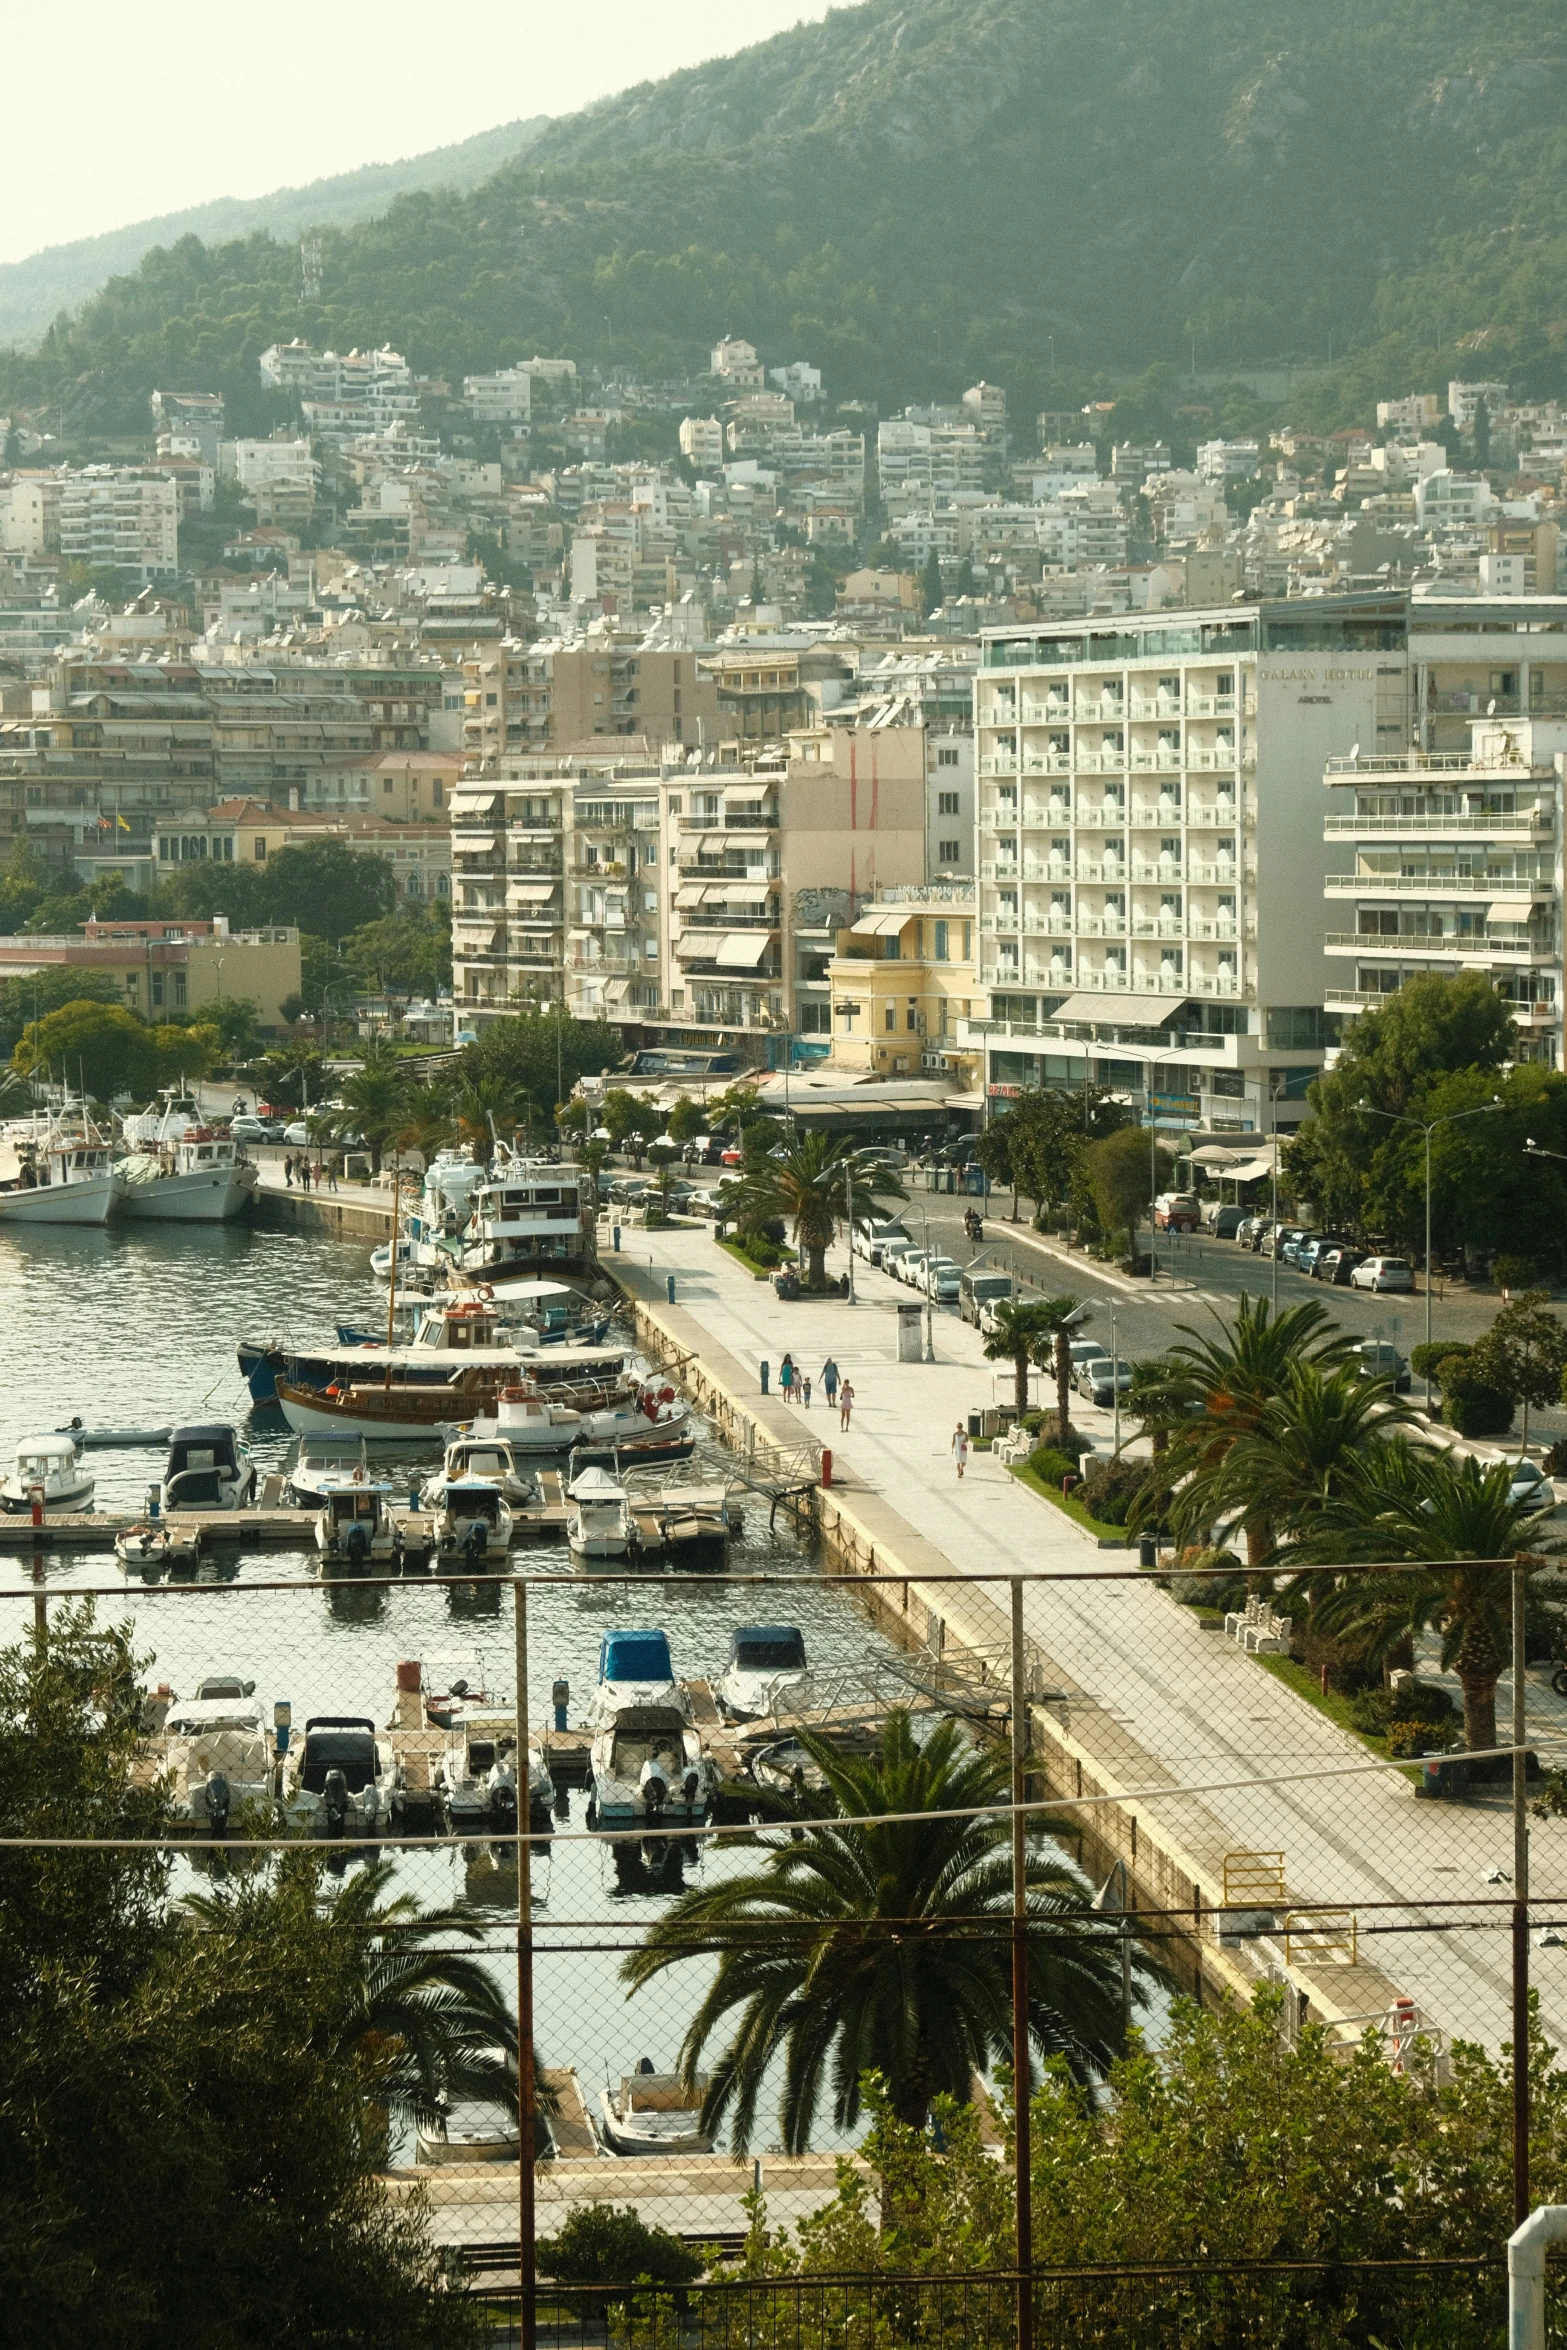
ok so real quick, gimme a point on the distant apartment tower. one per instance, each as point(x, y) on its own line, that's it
point(193, 416)
point(1421, 412)
point(30, 513)
point(278, 477)
point(702, 441)
point(1463, 400)
point(503, 398)
point(121, 517)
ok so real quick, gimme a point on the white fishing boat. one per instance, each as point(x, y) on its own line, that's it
point(49, 1175)
point(322, 1466)
point(476, 1773)
point(186, 1174)
point(654, 2113)
point(480, 1460)
point(599, 1523)
point(468, 2130)
point(208, 1468)
point(766, 1669)
point(647, 1762)
point(51, 1467)
point(355, 1525)
point(338, 1781)
point(219, 1758)
point(473, 1520)
point(526, 1214)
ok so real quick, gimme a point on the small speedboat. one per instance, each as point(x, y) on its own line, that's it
point(476, 1775)
point(208, 1468)
point(646, 1761)
point(654, 2113)
point(152, 1545)
point(339, 1782)
point(356, 1525)
point(635, 1668)
point(473, 1521)
point(766, 1668)
point(51, 1467)
point(454, 1687)
point(485, 1460)
point(219, 1759)
point(322, 1466)
point(599, 1523)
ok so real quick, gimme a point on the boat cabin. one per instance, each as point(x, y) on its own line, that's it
point(635, 1656)
point(471, 1328)
point(767, 1648)
point(338, 1743)
point(356, 1505)
point(203, 1464)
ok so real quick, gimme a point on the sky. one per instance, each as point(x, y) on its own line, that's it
point(150, 114)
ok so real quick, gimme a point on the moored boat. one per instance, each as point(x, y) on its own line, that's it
point(654, 2113)
point(473, 1520)
point(219, 1758)
point(355, 1525)
point(50, 1467)
point(766, 1668)
point(599, 1523)
point(208, 1468)
point(338, 1781)
point(194, 1176)
point(50, 1175)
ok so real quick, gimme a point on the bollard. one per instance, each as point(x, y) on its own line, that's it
point(36, 1496)
point(282, 1718)
point(560, 1694)
point(826, 1468)
point(614, 1234)
point(764, 1376)
point(669, 1287)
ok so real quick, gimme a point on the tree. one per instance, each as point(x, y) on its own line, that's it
point(1055, 1318)
point(184, 1055)
point(47, 990)
point(1306, 1441)
point(232, 1019)
point(932, 592)
point(1047, 1133)
point(327, 888)
point(1124, 1173)
point(1523, 1354)
point(993, 1150)
point(293, 1073)
point(844, 1948)
point(375, 1099)
point(403, 952)
point(484, 1105)
point(1405, 1502)
point(101, 1046)
point(819, 1186)
point(1019, 1333)
point(541, 1055)
point(687, 1120)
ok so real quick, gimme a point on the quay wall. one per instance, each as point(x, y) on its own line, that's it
point(1173, 1848)
point(334, 1215)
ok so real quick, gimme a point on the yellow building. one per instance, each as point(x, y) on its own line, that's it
point(902, 978)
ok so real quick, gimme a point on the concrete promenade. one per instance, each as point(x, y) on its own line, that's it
point(1151, 1697)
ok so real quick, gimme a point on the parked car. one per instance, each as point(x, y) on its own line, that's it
point(979, 1289)
point(1335, 1266)
point(1175, 1211)
point(941, 1279)
point(908, 1265)
point(1379, 1273)
point(1374, 1358)
point(1249, 1231)
point(1088, 1366)
point(1102, 1379)
point(1295, 1243)
point(1531, 1485)
point(296, 1132)
point(1277, 1240)
point(248, 1130)
point(872, 1233)
point(1309, 1250)
point(1222, 1221)
point(893, 1253)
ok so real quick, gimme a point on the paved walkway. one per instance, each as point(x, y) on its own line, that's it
point(1186, 1696)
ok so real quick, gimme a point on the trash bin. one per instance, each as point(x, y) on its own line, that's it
point(669, 1287)
point(976, 1425)
point(1147, 1551)
point(765, 1369)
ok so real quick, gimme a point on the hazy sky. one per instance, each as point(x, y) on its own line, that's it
point(121, 115)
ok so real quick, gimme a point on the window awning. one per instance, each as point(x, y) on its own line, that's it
point(1122, 1011)
point(879, 925)
point(743, 948)
point(692, 894)
point(1516, 909)
point(617, 991)
point(470, 843)
point(465, 803)
point(745, 893)
point(532, 893)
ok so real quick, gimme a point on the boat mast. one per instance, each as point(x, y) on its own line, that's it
point(391, 1292)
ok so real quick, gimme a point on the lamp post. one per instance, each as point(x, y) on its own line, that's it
point(848, 1211)
point(1115, 1386)
point(1427, 1127)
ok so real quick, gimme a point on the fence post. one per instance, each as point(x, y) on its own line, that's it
point(1520, 1902)
point(526, 2224)
point(1020, 2049)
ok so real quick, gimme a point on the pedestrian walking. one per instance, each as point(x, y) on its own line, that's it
point(830, 1381)
point(288, 1172)
point(805, 1384)
point(960, 1448)
point(786, 1377)
point(845, 1402)
point(304, 1174)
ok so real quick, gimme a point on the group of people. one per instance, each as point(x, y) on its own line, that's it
point(299, 1171)
point(796, 1385)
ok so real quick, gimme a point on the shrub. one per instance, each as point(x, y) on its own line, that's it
point(1110, 1491)
point(606, 2245)
point(1405, 1739)
point(1426, 1361)
point(1513, 1272)
point(1378, 1711)
point(1473, 1409)
point(1050, 1464)
point(1073, 1441)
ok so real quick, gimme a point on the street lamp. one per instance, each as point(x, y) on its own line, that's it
point(1428, 1127)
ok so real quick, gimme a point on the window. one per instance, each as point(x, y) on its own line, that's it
point(948, 852)
point(157, 988)
point(891, 1018)
point(180, 992)
point(436, 791)
point(894, 948)
point(386, 785)
point(946, 757)
point(913, 1016)
point(942, 954)
point(946, 803)
point(261, 852)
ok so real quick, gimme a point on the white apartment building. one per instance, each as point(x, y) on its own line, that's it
point(702, 440)
point(1448, 861)
point(124, 517)
point(801, 381)
point(919, 462)
point(279, 477)
point(1222, 461)
point(1448, 501)
point(503, 398)
point(30, 513)
point(735, 362)
point(1463, 399)
point(1151, 858)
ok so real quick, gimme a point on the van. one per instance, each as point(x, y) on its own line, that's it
point(1222, 1221)
point(980, 1289)
point(1175, 1211)
point(872, 1234)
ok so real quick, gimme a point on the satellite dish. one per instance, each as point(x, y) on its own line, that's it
point(1490, 709)
point(1354, 750)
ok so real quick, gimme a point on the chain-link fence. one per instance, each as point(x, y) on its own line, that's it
point(720, 1864)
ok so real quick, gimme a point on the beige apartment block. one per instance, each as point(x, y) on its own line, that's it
point(521, 699)
point(169, 968)
point(903, 981)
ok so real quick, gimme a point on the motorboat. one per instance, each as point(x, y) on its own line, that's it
point(219, 1760)
point(635, 1668)
point(322, 1466)
point(480, 1460)
point(50, 1175)
point(467, 2129)
point(549, 1313)
point(448, 1336)
point(685, 1517)
point(476, 1773)
point(454, 1686)
point(599, 1523)
point(208, 1468)
point(355, 1525)
point(655, 2113)
point(473, 1520)
point(153, 1545)
point(338, 1781)
point(52, 1467)
point(766, 1668)
point(647, 1762)
point(191, 1175)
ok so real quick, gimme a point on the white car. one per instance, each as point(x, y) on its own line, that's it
point(1379, 1273)
point(296, 1132)
point(941, 1278)
point(909, 1265)
point(893, 1254)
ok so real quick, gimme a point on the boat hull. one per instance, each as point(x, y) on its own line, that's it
point(204, 1196)
point(92, 1201)
point(310, 1413)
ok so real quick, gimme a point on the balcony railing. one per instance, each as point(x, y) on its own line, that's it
point(1422, 942)
point(1352, 999)
point(1442, 885)
point(1221, 985)
point(1511, 824)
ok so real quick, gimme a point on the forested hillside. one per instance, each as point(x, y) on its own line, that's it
point(913, 193)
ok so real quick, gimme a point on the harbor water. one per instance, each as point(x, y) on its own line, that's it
point(138, 1329)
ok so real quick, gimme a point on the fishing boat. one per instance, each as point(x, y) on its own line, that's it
point(449, 1334)
point(526, 1214)
point(208, 1468)
point(473, 1520)
point(381, 1413)
point(338, 1781)
point(599, 1523)
point(647, 1762)
point(355, 1525)
point(218, 1759)
point(485, 1460)
point(655, 2113)
point(50, 1175)
point(50, 1467)
point(185, 1173)
point(766, 1668)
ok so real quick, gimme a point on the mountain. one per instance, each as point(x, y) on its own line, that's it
point(35, 290)
point(1059, 195)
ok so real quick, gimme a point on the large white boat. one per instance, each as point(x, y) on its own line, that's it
point(527, 1214)
point(51, 1466)
point(647, 1763)
point(355, 1524)
point(473, 1520)
point(51, 1176)
point(599, 1523)
point(474, 1460)
point(766, 1669)
point(187, 1176)
point(219, 1758)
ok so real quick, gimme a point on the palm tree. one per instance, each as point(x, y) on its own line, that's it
point(817, 1186)
point(1402, 1501)
point(426, 1129)
point(484, 1105)
point(1217, 1387)
point(1056, 1316)
point(375, 1098)
point(1303, 1446)
point(1015, 1338)
point(884, 1948)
